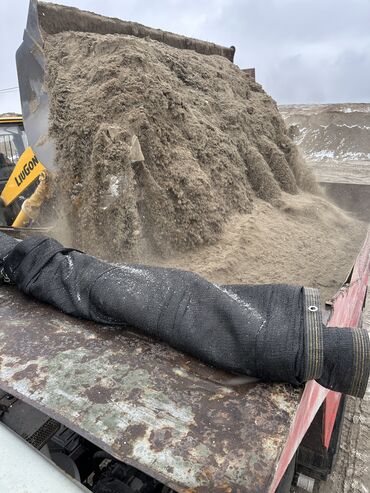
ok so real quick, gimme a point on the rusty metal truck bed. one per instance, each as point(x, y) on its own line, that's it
point(159, 410)
point(143, 402)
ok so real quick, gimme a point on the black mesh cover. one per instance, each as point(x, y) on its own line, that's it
point(273, 332)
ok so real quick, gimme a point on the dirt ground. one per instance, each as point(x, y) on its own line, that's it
point(352, 471)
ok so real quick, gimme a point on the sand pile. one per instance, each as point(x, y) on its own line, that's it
point(306, 241)
point(222, 191)
point(212, 140)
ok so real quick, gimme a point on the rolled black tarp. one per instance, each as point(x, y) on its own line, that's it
point(273, 332)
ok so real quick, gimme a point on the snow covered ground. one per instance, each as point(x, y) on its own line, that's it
point(334, 139)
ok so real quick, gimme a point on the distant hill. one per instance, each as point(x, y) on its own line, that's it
point(334, 139)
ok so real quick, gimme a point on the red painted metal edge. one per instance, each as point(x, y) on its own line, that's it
point(332, 402)
point(349, 303)
point(347, 309)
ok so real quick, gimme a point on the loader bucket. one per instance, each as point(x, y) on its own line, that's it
point(34, 98)
point(46, 19)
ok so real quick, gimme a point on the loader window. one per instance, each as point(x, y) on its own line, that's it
point(11, 143)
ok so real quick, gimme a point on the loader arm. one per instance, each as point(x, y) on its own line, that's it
point(26, 171)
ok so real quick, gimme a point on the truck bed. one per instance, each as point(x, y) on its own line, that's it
point(155, 408)
point(142, 402)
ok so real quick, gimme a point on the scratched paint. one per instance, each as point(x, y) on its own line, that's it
point(142, 402)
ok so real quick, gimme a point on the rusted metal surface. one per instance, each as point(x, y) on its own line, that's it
point(143, 402)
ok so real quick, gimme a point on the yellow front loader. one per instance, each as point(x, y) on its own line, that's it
point(24, 182)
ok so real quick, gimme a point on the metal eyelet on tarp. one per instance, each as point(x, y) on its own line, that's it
point(313, 308)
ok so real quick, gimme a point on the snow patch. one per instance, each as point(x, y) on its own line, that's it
point(320, 155)
point(114, 186)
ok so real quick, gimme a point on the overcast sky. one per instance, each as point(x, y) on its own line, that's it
point(304, 51)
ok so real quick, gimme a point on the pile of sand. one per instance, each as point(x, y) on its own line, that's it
point(212, 139)
point(308, 241)
point(223, 190)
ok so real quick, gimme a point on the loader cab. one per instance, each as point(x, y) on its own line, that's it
point(13, 142)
